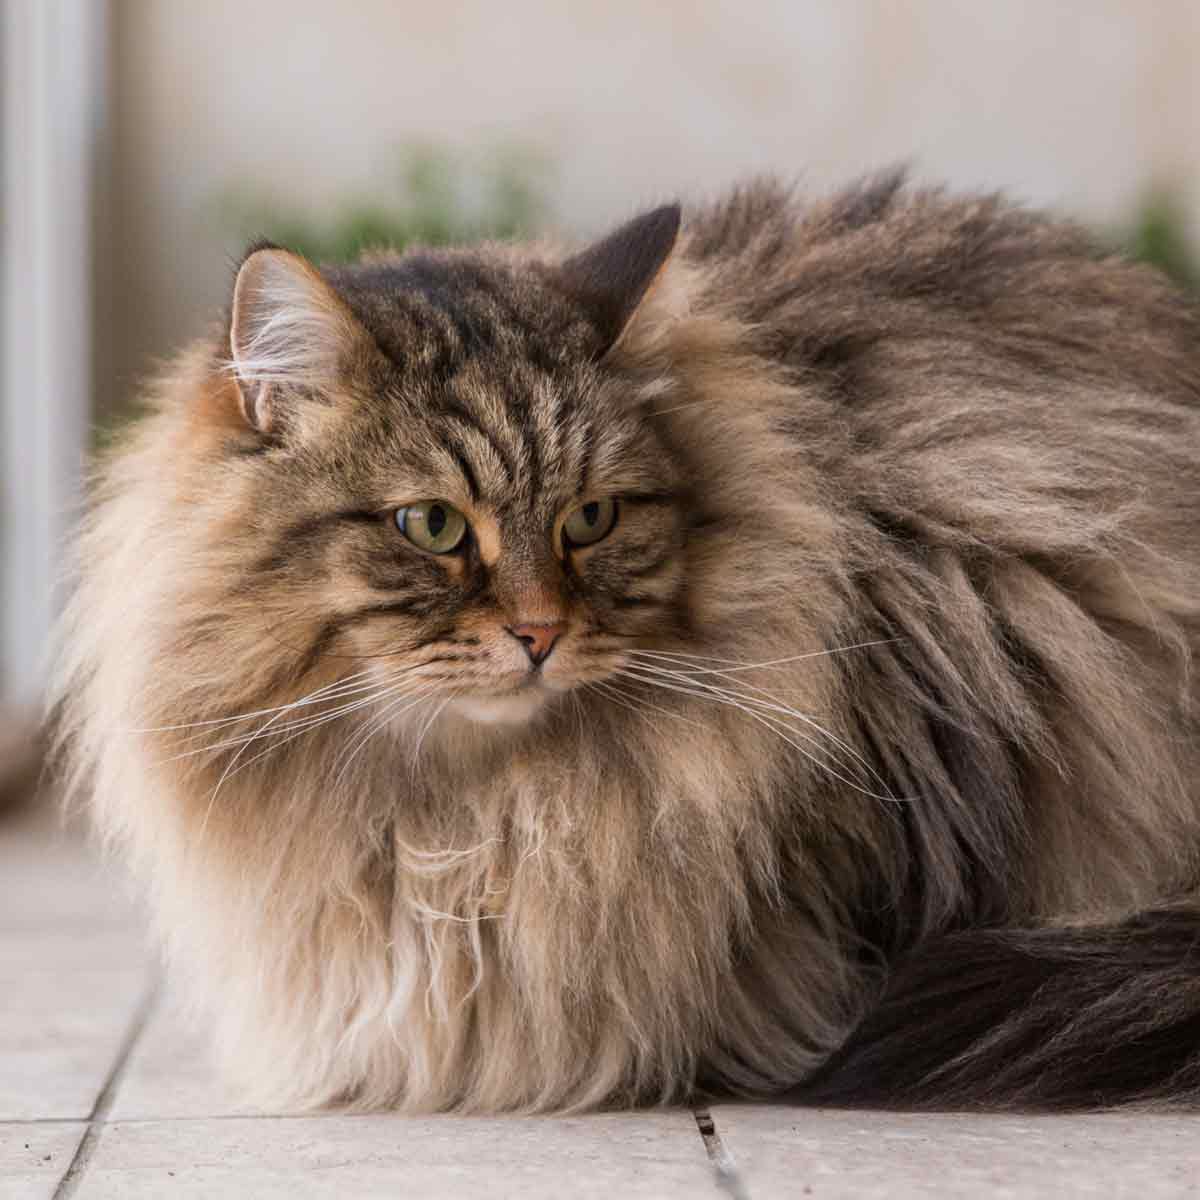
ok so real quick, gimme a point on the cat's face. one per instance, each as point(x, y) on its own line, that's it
point(501, 544)
point(464, 507)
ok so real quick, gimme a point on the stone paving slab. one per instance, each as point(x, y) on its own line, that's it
point(641, 1157)
point(53, 883)
point(33, 1157)
point(72, 969)
point(172, 1115)
point(828, 1155)
point(169, 1075)
point(59, 1034)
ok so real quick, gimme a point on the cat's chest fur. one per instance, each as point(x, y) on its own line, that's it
point(531, 901)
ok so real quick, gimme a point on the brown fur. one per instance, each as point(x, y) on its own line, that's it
point(941, 448)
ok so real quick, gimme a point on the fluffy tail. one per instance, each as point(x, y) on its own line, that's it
point(1041, 1019)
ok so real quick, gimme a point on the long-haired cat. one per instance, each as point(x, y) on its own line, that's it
point(751, 652)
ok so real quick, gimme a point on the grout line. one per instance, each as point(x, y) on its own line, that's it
point(70, 1181)
point(729, 1179)
point(321, 1114)
point(43, 1120)
point(196, 1116)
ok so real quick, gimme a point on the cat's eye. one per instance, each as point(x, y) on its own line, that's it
point(432, 525)
point(590, 522)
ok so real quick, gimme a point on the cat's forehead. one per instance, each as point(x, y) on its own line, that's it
point(493, 388)
point(511, 436)
point(493, 394)
point(433, 314)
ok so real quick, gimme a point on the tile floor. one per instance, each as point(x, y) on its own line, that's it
point(104, 1095)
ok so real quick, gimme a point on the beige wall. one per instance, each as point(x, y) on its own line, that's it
point(1076, 103)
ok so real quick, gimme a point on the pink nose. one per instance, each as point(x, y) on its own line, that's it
point(538, 640)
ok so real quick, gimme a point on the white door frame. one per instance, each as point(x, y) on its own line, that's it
point(53, 57)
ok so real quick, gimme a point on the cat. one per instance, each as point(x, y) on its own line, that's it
point(746, 654)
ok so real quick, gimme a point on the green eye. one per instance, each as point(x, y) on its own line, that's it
point(432, 525)
point(590, 522)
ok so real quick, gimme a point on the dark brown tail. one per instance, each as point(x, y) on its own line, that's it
point(1065, 1018)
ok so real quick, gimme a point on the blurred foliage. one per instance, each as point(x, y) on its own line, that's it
point(437, 196)
point(434, 196)
point(1159, 236)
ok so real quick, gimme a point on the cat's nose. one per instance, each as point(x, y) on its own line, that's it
point(538, 640)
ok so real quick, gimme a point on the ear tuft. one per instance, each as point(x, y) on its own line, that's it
point(288, 328)
point(611, 277)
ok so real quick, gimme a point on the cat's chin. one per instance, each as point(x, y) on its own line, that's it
point(513, 708)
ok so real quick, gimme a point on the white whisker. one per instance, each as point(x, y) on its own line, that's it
point(375, 690)
point(308, 722)
point(636, 704)
point(311, 698)
point(774, 662)
point(236, 758)
point(774, 704)
point(402, 705)
point(748, 705)
point(416, 753)
point(312, 722)
point(346, 693)
point(662, 412)
point(771, 705)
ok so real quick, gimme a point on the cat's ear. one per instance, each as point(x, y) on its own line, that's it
point(612, 277)
point(288, 329)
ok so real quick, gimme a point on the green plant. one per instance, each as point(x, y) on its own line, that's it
point(1158, 235)
point(436, 197)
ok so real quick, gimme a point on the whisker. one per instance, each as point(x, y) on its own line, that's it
point(237, 757)
point(324, 719)
point(310, 698)
point(704, 691)
point(662, 412)
point(302, 724)
point(608, 692)
point(776, 705)
point(437, 712)
point(775, 662)
point(348, 685)
point(374, 691)
point(395, 709)
point(770, 705)
point(744, 704)
point(631, 702)
point(347, 693)
point(781, 730)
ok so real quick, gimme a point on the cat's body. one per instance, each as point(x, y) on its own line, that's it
point(881, 678)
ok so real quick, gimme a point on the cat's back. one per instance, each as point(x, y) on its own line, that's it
point(1006, 417)
point(997, 377)
point(880, 265)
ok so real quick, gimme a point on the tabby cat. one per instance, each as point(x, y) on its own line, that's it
point(752, 652)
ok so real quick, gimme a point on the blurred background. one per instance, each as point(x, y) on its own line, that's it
point(143, 142)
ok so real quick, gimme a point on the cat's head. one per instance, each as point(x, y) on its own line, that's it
point(559, 496)
point(443, 483)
